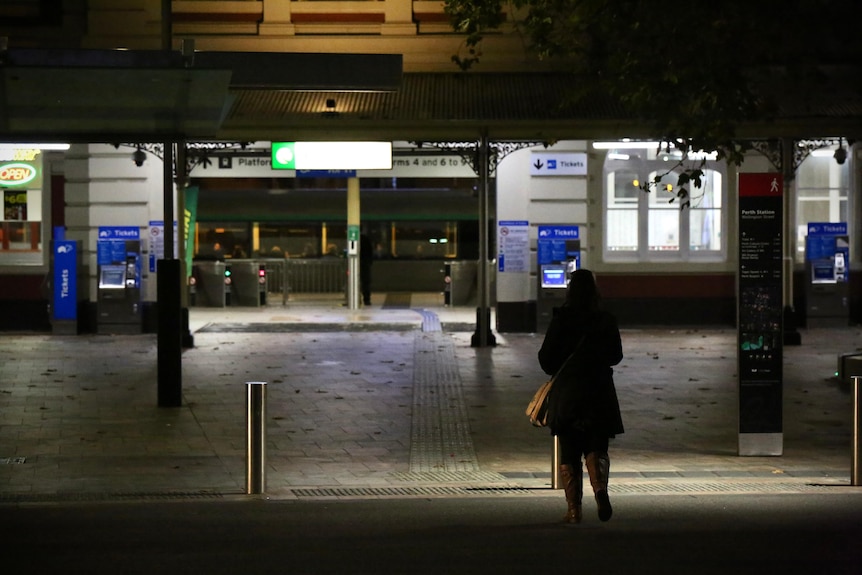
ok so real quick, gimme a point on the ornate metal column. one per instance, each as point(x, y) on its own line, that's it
point(170, 349)
point(483, 157)
point(786, 156)
point(173, 327)
point(483, 337)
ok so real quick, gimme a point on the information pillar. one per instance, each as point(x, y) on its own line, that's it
point(760, 305)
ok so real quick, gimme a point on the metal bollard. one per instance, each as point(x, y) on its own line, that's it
point(556, 480)
point(255, 419)
point(855, 444)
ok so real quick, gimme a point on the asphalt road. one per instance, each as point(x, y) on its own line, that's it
point(811, 534)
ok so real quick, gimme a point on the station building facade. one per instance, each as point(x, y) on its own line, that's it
point(656, 263)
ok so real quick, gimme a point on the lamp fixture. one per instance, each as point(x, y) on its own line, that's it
point(329, 110)
point(840, 154)
point(139, 157)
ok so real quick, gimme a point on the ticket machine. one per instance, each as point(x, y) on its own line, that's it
point(827, 257)
point(558, 255)
point(119, 289)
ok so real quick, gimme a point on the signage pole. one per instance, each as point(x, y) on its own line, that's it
point(353, 243)
point(183, 232)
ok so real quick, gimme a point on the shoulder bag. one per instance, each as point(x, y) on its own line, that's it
point(537, 409)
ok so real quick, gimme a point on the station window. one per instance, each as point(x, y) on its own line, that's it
point(415, 218)
point(389, 239)
point(424, 240)
point(221, 240)
point(641, 226)
point(822, 187)
point(21, 203)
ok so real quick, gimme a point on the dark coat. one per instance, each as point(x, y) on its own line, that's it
point(584, 394)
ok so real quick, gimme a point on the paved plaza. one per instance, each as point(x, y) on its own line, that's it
point(392, 402)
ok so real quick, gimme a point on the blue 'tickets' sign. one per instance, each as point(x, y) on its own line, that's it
point(65, 280)
point(119, 233)
point(827, 228)
point(559, 233)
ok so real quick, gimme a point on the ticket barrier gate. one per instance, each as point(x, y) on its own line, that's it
point(208, 279)
point(246, 282)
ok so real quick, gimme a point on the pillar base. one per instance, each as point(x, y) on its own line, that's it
point(170, 378)
point(476, 340)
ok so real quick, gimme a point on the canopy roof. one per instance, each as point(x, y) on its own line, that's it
point(107, 96)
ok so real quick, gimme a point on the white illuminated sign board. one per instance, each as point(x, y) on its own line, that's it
point(332, 155)
point(403, 166)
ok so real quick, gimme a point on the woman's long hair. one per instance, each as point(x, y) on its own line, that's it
point(583, 293)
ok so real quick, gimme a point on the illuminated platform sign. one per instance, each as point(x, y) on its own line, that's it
point(331, 155)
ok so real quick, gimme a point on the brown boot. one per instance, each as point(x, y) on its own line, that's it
point(599, 468)
point(573, 485)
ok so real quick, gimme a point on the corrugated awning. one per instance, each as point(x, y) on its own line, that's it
point(509, 106)
point(105, 96)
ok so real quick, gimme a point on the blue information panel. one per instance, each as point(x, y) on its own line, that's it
point(558, 244)
point(111, 247)
point(65, 280)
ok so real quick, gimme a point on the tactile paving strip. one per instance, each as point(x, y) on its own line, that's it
point(430, 320)
point(451, 477)
point(440, 435)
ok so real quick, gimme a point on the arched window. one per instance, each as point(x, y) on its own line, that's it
point(642, 226)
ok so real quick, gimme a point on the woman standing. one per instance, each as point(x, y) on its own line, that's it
point(583, 408)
